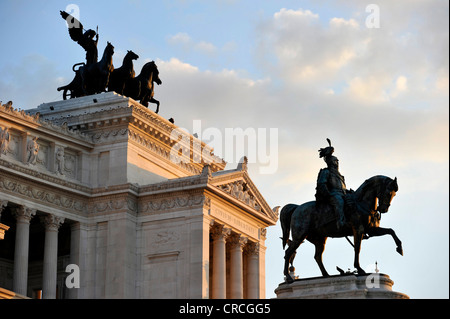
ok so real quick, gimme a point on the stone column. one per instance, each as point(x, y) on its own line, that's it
point(52, 224)
point(237, 243)
point(219, 235)
point(252, 276)
point(23, 216)
point(78, 255)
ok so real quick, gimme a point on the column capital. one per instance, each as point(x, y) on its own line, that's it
point(23, 214)
point(237, 241)
point(252, 248)
point(3, 204)
point(219, 231)
point(52, 222)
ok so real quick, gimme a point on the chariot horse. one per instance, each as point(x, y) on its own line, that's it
point(142, 87)
point(121, 75)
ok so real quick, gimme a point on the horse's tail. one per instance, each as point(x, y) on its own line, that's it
point(285, 221)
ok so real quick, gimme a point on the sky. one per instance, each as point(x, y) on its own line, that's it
point(373, 79)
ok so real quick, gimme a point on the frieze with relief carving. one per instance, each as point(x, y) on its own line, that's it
point(41, 195)
point(168, 203)
point(114, 204)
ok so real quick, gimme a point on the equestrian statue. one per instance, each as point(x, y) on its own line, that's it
point(337, 212)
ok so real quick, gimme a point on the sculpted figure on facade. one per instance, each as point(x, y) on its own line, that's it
point(60, 160)
point(32, 151)
point(4, 140)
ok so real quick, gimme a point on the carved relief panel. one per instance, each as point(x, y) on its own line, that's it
point(11, 145)
point(43, 155)
point(71, 160)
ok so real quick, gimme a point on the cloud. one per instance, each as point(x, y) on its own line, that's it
point(187, 43)
point(180, 38)
point(362, 88)
point(344, 53)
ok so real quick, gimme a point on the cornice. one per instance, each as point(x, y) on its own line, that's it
point(35, 122)
point(174, 185)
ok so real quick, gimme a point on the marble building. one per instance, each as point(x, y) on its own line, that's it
point(92, 182)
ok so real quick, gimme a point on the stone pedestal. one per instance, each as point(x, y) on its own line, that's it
point(371, 286)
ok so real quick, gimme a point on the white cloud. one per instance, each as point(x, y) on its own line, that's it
point(286, 16)
point(180, 38)
point(340, 22)
point(205, 47)
point(372, 65)
point(442, 82)
point(175, 65)
point(402, 83)
point(187, 43)
point(368, 91)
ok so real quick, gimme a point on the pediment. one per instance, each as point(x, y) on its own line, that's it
point(238, 184)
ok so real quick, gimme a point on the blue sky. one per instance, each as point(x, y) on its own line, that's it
point(311, 69)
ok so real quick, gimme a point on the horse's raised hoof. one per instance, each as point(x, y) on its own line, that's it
point(400, 250)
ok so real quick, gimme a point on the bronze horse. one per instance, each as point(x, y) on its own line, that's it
point(141, 87)
point(121, 75)
point(95, 77)
point(315, 223)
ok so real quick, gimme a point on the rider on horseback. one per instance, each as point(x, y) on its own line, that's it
point(331, 187)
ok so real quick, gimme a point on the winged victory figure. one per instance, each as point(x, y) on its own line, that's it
point(85, 40)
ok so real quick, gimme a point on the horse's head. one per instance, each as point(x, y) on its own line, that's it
point(155, 73)
point(131, 55)
point(109, 48)
point(150, 70)
point(378, 192)
point(386, 194)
